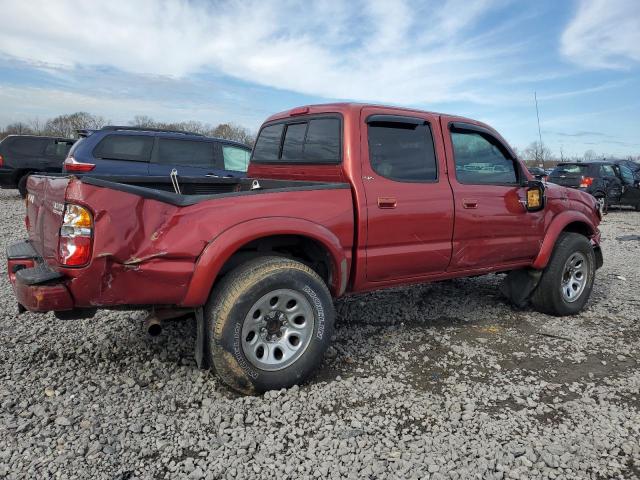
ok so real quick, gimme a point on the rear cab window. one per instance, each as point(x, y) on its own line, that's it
point(308, 140)
point(135, 148)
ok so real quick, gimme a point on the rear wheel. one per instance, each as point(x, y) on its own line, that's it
point(270, 322)
point(567, 281)
point(22, 185)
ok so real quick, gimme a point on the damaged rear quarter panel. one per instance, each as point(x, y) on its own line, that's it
point(145, 251)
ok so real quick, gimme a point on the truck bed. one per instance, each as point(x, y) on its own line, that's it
point(149, 240)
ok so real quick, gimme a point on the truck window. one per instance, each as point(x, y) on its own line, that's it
point(294, 141)
point(185, 152)
point(316, 140)
point(402, 151)
point(125, 147)
point(268, 143)
point(480, 161)
point(235, 158)
point(323, 141)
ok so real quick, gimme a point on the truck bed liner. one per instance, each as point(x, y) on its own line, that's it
point(160, 188)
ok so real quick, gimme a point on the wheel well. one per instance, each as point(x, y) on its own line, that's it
point(298, 247)
point(19, 173)
point(579, 227)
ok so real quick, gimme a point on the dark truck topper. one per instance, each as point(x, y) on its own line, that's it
point(342, 198)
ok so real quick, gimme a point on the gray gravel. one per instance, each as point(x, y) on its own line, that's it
point(437, 381)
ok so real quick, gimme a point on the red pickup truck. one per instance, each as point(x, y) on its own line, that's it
point(341, 198)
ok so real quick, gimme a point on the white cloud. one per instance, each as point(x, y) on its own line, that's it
point(29, 103)
point(367, 50)
point(604, 34)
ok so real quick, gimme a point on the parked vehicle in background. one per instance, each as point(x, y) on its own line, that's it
point(634, 167)
point(133, 151)
point(342, 198)
point(538, 173)
point(609, 183)
point(21, 155)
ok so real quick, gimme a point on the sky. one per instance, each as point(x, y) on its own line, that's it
point(240, 61)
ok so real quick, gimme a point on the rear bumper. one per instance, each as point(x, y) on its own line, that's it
point(36, 286)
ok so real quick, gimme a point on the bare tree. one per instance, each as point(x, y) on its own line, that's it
point(234, 132)
point(589, 155)
point(538, 153)
point(67, 125)
point(18, 128)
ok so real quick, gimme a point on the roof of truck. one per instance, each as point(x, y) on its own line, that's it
point(342, 106)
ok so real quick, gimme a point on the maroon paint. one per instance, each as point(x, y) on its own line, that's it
point(380, 232)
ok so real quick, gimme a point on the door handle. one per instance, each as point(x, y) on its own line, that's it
point(467, 203)
point(387, 202)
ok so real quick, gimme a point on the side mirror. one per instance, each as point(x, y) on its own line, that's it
point(535, 196)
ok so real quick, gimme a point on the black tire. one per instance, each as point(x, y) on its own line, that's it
point(548, 296)
point(22, 185)
point(230, 306)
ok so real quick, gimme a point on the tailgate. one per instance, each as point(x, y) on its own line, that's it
point(45, 206)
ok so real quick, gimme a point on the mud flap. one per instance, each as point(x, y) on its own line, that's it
point(519, 285)
point(202, 341)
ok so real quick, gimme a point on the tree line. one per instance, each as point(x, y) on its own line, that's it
point(68, 125)
point(538, 154)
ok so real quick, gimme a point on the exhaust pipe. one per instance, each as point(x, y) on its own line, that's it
point(153, 322)
point(153, 325)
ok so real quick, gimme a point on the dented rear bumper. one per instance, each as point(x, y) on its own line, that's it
point(37, 287)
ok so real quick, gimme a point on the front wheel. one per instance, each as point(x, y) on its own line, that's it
point(270, 322)
point(567, 281)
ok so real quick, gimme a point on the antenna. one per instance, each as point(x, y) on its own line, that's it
point(535, 97)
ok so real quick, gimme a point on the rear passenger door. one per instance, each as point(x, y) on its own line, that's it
point(408, 199)
point(122, 154)
point(190, 158)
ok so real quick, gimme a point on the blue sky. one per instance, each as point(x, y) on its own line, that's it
point(217, 61)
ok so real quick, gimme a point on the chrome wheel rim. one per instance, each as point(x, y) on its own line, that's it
point(574, 277)
point(277, 329)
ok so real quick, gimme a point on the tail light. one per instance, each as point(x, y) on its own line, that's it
point(586, 182)
point(72, 165)
point(76, 236)
point(1, 161)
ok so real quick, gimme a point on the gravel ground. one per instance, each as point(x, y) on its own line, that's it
point(437, 381)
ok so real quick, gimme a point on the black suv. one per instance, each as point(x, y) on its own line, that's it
point(609, 182)
point(21, 155)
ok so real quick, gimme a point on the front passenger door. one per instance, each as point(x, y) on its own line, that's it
point(492, 224)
